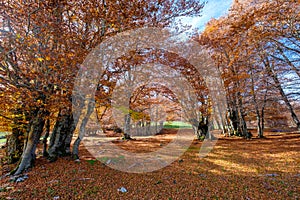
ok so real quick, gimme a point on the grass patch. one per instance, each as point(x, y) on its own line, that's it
point(176, 124)
point(2, 137)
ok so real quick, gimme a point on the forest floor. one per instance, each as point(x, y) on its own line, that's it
point(236, 168)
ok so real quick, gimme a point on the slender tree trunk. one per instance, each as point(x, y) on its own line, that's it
point(127, 127)
point(161, 126)
point(90, 109)
point(47, 133)
point(242, 121)
point(258, 116)
point(148, 127)
point(283, 95)
point(261, 134)
point(262, 121)
point(259, 128)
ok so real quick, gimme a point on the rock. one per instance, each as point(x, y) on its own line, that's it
point(19, 178)
point(84, 179)
point(122, 189)
point(272, 175)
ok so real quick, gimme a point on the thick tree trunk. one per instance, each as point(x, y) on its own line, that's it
point(15, 144)
point(33, 137)
point(15, 140)
point(200, 127)
point(234, 121)
point(60, 137)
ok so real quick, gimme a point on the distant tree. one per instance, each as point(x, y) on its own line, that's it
point(256, 47)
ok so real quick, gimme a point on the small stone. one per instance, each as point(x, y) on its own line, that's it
point(21, 179)
point(272, 175)
point(122, 189)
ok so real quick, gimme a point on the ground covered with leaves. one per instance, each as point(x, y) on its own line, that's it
point(236, 168)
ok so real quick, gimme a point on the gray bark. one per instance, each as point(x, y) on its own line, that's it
point(127, 126)
point(47, 125)
point(61, 134)
point(271, 73)
point(90, 109)
point(33, 138)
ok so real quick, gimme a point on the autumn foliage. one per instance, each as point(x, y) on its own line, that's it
point(255, 48)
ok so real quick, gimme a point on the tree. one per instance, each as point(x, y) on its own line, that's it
point(42, 46)
point(257, 43)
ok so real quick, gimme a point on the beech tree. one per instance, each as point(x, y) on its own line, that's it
point(42, 47)
point(256, 47)
point(142, 68)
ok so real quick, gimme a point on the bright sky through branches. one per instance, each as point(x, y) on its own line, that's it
point(213, 9)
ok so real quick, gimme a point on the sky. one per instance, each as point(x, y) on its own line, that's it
point(213, 9)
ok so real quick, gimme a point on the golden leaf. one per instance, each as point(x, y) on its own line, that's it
point(40, 59)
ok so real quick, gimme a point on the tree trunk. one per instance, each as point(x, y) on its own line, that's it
point(45, 153)
point(234, 121)
point(15, 144)
point(33, 137)
point(196, 132)
point(243, 123)
point(90, 109)
point(127, 127)
point(262, 121)
point(61, 134)
point(15, 141)
point(261, 134)
point(148, 128)
point(278, 86)
point(258, 116)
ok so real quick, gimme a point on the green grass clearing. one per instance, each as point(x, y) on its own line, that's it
point(3, 134)
point(177, 124)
